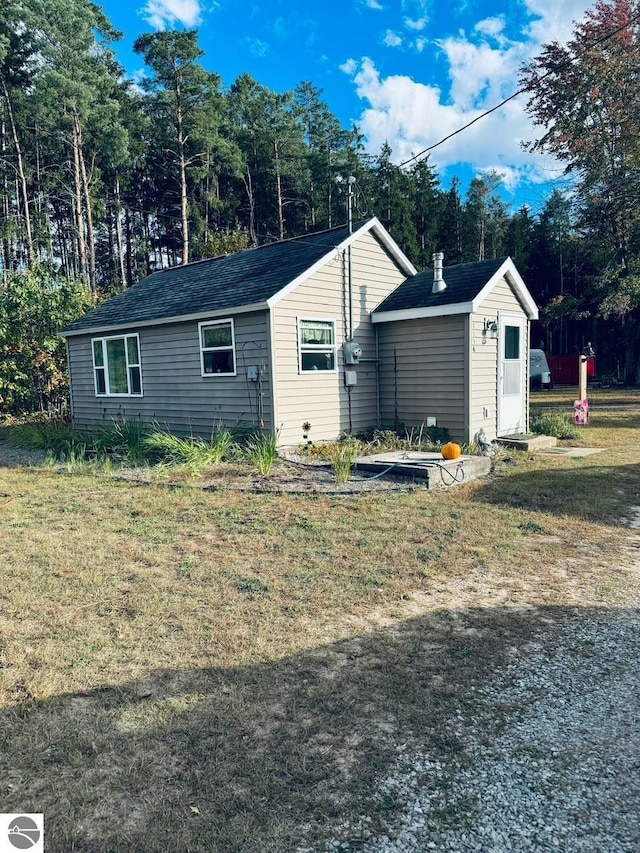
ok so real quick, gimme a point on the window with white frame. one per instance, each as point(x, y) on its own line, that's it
point(116, 366)
point(217, 348)
point(316, 345)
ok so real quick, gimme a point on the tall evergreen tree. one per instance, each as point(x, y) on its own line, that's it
point(391, 197)
point(328, 153)
point(450, 230)
point(428, 203)
point(17, 61)
point(270, 133)
point(485, 218)
point(75, 89)
point(185, 94)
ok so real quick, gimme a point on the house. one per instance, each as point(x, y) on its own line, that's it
point(334, 329)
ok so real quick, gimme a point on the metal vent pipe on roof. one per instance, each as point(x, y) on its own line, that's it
point(439, 284)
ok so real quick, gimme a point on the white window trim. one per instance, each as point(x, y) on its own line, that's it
point(317, 347)
point(203, 349)
point(107, 379)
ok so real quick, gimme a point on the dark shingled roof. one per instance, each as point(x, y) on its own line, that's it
point(231, 281)
point(464, 282)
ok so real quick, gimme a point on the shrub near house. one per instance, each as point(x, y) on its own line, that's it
point(33, 306)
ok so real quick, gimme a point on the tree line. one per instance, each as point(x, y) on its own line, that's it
point(103, 180)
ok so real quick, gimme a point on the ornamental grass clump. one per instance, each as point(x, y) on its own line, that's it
point(124, 439)
point(56, 437)
point(194, 453)
point(262, 451)
point(342, 455)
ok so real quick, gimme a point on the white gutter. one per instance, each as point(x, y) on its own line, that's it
point(419, 313)
point(272, 373)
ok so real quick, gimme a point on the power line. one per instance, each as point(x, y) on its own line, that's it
point(632, 20)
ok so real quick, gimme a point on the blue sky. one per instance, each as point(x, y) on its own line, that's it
point(406, 71)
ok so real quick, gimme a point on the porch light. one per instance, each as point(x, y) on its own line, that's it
point(490, 328)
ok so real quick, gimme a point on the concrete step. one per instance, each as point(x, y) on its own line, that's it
point(527, 441)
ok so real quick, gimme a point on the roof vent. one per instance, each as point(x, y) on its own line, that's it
point(439, 283)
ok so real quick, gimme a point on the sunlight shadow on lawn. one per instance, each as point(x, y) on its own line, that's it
point(581, 489)
point(264, 757)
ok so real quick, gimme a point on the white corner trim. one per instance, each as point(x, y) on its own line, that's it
point(468, 379)
point(272, 372)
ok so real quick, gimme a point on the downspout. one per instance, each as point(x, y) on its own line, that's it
point(377, 377)
point(272, 373)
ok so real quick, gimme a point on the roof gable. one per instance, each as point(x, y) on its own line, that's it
point(252, 279)
point(467, 286)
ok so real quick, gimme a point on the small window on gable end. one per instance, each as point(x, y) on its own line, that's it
point(217, 348)
point(316, 345)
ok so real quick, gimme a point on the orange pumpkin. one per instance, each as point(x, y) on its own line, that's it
point(451, 450)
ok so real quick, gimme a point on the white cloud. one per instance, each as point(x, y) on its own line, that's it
point(480, 73)
point(392, 39)
point(417, 24)
point(281, 29)
point(510, 177)
point(415, 8)
point(137, 79)
point(412, 116)
point(491, 26)
point(162, 14)
point(483, 69)
point(372, 4)
point(349, 67)
point(553, 21)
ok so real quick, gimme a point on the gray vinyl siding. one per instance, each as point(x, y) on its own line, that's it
point(175, 394)
point(321, 398)
point(423, 367)
point(484, 384)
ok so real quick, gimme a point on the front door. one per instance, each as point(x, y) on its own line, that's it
point(511, 375)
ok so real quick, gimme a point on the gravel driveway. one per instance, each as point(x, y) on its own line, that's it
point(552, 759)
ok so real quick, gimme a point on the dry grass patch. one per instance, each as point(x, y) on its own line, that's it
point(183, 669)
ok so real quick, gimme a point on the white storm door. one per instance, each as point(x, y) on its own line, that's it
point(511, 375)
